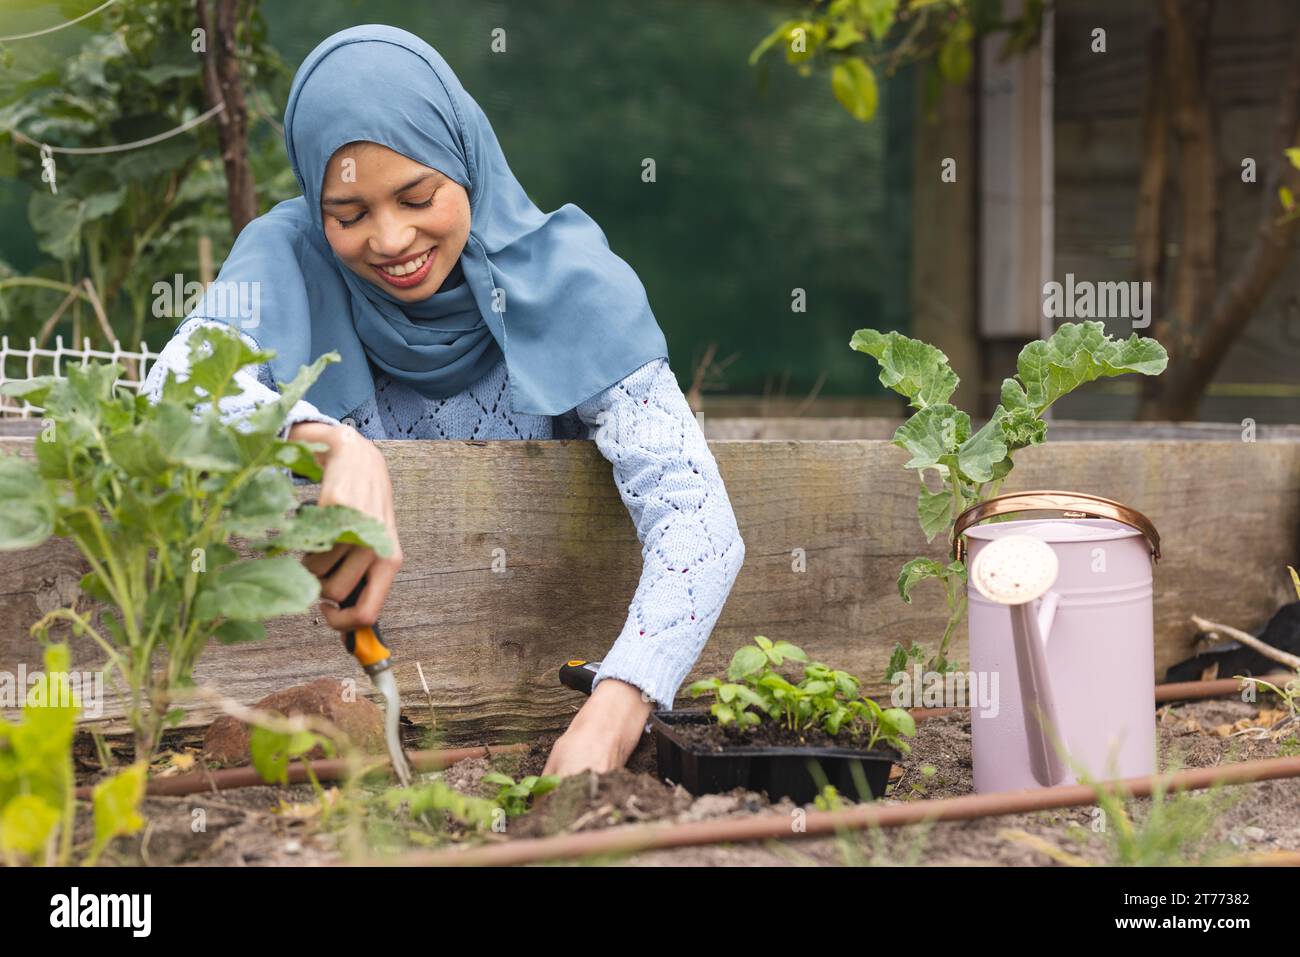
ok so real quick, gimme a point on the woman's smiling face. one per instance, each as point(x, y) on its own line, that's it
point(392, 221)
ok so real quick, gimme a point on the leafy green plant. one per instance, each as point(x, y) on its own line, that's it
point(514, 797)
point(437, 796)
point(1175, 828)
point(37, 783)
point(152, 494)
point(862, 39)
point(823, 698)
point(970, 465)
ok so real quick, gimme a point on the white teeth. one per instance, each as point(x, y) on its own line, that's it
point(404, 269)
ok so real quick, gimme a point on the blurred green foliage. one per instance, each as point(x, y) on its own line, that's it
point(761, 187)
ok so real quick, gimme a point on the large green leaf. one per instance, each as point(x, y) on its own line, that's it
point(980, 454)
point(216, 355)
point(910, 367)
point(316, 528)
point(269, 418)
point(201, 444)
point(26, 505)
point(256, 590)
point(933, 437)
point(260, 504)
point(934, 509)
point(1081, 352)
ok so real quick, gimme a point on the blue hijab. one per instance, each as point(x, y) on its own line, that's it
point(543, 289)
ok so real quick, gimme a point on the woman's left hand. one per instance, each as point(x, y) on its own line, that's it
point(604, 732)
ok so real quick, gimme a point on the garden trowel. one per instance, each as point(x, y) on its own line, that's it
point(367, 646)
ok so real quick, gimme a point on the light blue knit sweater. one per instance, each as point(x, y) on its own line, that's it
point(691, 548)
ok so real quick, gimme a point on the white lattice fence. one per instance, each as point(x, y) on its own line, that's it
point(37, 361)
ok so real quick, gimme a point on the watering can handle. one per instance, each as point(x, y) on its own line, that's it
point(1070, 504)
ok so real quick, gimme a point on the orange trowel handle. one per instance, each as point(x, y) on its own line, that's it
point(365, 644)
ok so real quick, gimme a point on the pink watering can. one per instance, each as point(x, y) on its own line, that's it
point(1061, 613)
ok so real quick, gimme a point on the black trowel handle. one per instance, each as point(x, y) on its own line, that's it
point(579, 675)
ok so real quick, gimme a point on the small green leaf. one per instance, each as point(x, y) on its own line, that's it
point(916, 571)
point(117, 805)
point(747, 660)
point(26, 824)
point(789, 652)
point(854, 85)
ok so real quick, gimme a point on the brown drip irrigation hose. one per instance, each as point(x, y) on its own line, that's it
point(333, 769)
point(326, 769)
point(644, 837)
point(1195, 690)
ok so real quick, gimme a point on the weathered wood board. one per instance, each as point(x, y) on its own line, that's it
point(491, 642)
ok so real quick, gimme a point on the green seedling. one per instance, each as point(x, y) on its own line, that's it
point(829, 799)
point(426, 801)
point(824, 697)
point(515, 797)
point(152, 495)
point(967, 465)
point(37, 782)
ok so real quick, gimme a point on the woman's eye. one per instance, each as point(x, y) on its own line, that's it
point(345, 223)
point(425, 205)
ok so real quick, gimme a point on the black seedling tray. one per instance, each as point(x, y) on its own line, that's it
point(779, 771)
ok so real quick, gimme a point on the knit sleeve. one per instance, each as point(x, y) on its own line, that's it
point(691, 547)
point(257, 385)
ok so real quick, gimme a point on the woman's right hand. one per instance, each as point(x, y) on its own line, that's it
point(356, 475)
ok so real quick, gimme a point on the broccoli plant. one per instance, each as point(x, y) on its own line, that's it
point(969, 465)
point(823, 698)
point(152, 495)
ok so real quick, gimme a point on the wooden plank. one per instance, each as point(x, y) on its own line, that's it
point(943, 220)
point(1073, 430)
point(491, 642)
point(1015, 186)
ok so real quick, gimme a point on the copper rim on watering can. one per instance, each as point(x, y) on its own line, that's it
point(1069, 504)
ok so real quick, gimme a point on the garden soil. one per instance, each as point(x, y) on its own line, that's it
point(270, 826)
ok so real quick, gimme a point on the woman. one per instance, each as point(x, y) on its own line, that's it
point(460, 310)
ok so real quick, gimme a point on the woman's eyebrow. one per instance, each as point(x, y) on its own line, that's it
point(346, 200)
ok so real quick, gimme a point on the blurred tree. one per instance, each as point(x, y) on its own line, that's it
point(120, 214)
point(1201, 310)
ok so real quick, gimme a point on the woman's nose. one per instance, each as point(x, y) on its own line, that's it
point(391, 237)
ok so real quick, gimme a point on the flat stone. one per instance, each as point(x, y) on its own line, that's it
point(226, 741)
